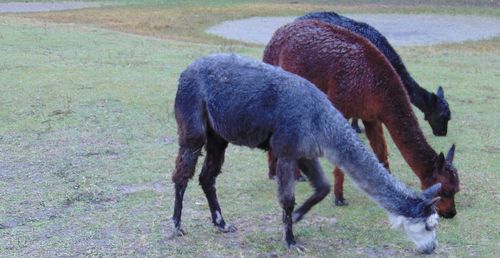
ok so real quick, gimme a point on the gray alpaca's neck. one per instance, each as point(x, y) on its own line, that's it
point(345, 150)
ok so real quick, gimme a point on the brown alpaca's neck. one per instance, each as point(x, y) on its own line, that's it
point(405, 131)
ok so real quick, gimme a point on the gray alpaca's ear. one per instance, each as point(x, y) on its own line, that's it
point(430, 192)
point(440, 92)
point(435, 200)
point(451, 154)
point(430, 203)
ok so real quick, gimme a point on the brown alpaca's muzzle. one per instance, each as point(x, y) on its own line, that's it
point(446, 207)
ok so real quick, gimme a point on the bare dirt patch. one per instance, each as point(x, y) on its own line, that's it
point(400, 29)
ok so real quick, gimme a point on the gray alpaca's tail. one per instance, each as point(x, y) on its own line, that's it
point(190, 111)
point(191, 127)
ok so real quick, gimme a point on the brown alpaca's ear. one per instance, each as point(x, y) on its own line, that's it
point(451, 154)
point(440, 161)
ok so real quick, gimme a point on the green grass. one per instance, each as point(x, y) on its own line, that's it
point(88, 142)
point(189, 20)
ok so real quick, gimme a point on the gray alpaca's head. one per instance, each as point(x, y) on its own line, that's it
point(422, 229)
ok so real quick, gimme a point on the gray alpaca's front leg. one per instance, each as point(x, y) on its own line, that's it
point(214, 160)
point(286, 189)
point(312, 169)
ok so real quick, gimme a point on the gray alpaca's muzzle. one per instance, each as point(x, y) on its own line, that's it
point(427, 249)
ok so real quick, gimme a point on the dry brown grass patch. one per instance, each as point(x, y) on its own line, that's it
point(186, 23)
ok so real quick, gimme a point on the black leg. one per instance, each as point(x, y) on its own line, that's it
point(355, 126)
point(184, 170)
point(215, 147)
point(313, 171)
point(179, 196)
point(285, 180)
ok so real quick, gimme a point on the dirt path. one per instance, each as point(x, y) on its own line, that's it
point(400, 30)
point(17, 7)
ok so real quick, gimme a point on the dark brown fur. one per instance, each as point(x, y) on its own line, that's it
point(362, 84)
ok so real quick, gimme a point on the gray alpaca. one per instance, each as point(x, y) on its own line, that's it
point(226, 98)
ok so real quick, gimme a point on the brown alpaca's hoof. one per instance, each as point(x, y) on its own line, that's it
point(272, 177)
point(341, 202)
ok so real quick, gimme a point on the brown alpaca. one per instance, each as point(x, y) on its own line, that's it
point(362, 84)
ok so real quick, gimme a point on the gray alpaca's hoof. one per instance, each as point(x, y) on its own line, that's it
point(177, 232)
point(272, 177)
point(341, 202)
point(228, 228)
point(301, 178)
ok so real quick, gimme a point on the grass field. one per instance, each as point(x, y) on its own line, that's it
point(88, 142)
point(188, 21)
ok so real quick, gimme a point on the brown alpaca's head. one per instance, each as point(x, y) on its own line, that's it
point(446, 174)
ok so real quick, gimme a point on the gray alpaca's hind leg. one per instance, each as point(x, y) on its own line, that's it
point(185, 165)
point(286, 187)
point(312, 169)
point(215, 147)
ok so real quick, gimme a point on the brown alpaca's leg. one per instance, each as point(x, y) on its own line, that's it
point(271, 162)
point(338, 188)
point(375, 134)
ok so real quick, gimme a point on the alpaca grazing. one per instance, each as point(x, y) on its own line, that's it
point(361, 83)
point(226, 98)
point(434, 106)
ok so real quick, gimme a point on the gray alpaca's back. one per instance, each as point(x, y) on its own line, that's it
point(269, 102)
